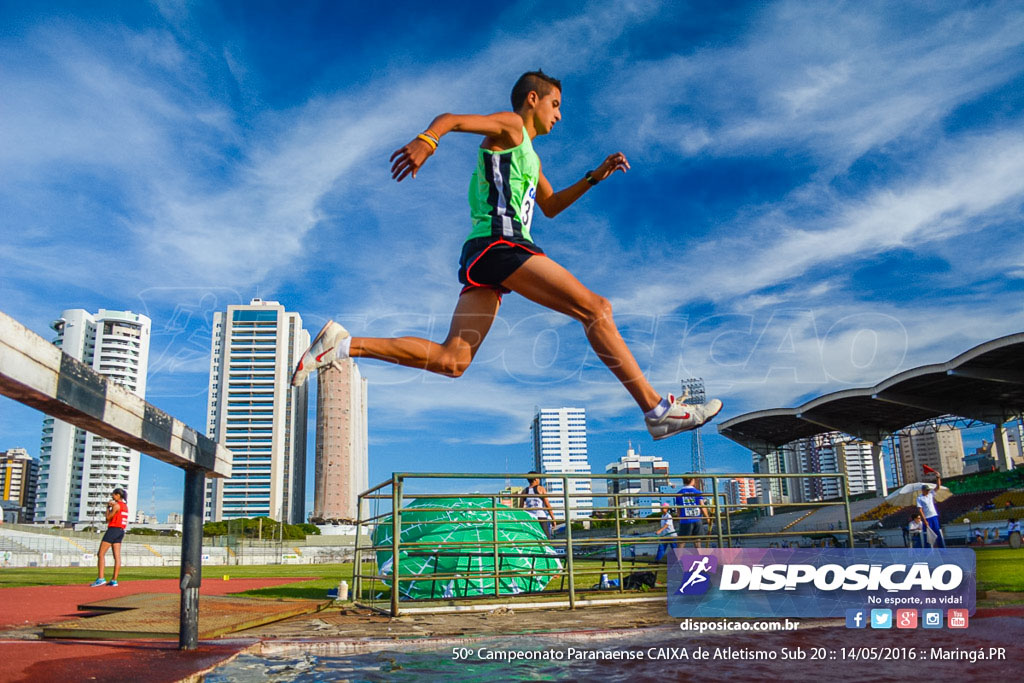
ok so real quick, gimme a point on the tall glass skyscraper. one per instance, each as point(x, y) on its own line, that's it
point(560, 445)
point(78, 470)
point(255, 412)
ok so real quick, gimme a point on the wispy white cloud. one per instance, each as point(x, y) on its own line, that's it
point(832, 80)
point(156, 147)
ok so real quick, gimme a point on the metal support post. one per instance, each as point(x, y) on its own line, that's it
point(728, 521)
point(191, 558)
point(878, 466)
point(568, 543)
point(846, 507)
point(618, 543)
point(494, 535)
point(718, 511)
point(396, 532)
point(357, 557)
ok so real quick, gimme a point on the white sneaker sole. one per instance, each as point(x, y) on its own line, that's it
point(709, 418)
point(313, 343)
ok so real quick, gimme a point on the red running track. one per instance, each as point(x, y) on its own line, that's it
point(33, 605)
point(77, 660)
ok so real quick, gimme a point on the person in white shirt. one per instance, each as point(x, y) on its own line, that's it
point(915, 527)
point(1013, 527)
point(930, 514)
point(535, 501)
point(668, 528)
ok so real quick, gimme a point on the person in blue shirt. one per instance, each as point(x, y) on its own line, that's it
point(693, 516)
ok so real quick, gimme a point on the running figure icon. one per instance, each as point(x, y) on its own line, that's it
point(697, 571)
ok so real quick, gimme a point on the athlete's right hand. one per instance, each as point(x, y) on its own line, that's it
point(408, 159)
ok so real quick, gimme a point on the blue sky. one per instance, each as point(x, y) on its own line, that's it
point(821, 195)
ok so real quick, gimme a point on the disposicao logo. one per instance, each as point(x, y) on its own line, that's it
point(696, 581)
point(734, 582)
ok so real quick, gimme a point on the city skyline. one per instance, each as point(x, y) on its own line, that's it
point(820, 196)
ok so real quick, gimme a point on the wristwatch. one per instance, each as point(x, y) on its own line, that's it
point(590, 178)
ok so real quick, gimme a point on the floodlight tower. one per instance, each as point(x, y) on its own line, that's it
point(693, 390)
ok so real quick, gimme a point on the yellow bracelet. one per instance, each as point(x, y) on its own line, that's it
point(432, 134)
point(429, 141)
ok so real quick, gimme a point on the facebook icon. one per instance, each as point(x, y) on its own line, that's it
point(856, 618)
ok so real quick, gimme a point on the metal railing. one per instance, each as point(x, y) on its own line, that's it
point(621, 548)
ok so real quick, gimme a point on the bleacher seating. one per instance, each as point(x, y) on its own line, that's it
point(949, 509)
point(956, 506)
point(878, 512)
point(1015, 498)
point(800, 519)
point(985, 481)
point(10, 544)
point(993, 516)
point(830, 518)
point(900, 517)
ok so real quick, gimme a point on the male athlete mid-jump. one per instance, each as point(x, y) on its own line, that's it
point(500, 256)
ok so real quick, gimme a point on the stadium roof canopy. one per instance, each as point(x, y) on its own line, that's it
point(985, 383)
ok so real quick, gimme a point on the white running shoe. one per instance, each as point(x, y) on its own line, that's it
point(323, 351)
point(682, 417)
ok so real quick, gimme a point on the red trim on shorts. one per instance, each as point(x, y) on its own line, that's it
point(497, 290)
point(479, 256)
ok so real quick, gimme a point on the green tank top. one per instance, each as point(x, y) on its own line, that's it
point(502, 192)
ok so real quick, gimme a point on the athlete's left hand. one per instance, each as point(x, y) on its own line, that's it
point(614, 162)
point(408, 159)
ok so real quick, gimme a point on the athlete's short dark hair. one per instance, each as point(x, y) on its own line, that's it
point(537, 81)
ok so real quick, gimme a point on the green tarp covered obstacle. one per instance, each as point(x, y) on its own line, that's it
point(453, 539)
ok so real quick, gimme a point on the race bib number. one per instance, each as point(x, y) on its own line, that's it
point(526, 210)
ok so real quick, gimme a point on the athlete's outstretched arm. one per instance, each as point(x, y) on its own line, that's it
point(502, 130)
point(553, 203)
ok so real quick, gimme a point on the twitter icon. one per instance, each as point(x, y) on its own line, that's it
point(881, 618)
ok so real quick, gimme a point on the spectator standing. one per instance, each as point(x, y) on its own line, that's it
point(117, 520)
point(693, 515)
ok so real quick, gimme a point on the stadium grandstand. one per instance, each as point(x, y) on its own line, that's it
point(982, 385)
point(34, 546)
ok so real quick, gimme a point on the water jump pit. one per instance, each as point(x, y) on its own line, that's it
point(157, 616)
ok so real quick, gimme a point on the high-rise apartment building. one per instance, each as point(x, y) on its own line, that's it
point(856, 460)
point(817, 455)
point(77, 469)
point(341, 443)
point(739, 491)
point(783, 460)
point(941, 447)
point(19, 478)
point(560, 446)
point(255, 412)
point(632, 492)
point(834, 452)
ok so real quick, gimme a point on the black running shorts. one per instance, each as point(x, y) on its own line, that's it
point(487, 262)
point(691, 529)
point(114, 535)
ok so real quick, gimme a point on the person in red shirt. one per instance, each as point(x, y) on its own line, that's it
point(117, 520)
